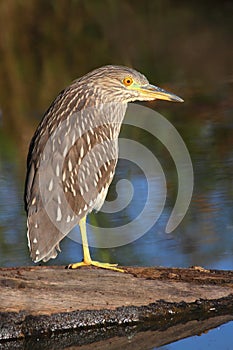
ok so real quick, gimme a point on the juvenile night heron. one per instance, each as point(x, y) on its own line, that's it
point(73, 155)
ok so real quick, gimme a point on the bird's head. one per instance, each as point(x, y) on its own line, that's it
point(123, 84)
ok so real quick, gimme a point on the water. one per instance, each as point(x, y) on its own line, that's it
point(184, 48)
point(219, 338)
point(204, 237)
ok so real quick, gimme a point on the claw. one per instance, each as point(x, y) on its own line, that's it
point(95, 263)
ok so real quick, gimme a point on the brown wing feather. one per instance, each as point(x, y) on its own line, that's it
point(69, 170)
point(88, 169)
point(43, 235)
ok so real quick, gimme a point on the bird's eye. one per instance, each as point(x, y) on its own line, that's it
point(127, 81)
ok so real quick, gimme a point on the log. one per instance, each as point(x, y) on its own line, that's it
point(78, 307)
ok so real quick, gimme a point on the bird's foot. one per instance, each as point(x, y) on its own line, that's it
point(95, 263)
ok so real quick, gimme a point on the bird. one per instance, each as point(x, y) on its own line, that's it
point(73, 155)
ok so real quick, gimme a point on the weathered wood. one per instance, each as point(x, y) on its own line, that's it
point(39, 301)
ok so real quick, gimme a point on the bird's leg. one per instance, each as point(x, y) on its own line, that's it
point(86, 253)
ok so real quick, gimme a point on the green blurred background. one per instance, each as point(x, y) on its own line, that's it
point(185, 47)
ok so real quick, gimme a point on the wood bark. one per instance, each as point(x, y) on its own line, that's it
point(78, 307)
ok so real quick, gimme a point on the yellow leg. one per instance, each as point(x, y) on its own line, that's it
point(86, 253)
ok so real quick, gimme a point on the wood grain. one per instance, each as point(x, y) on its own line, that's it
point(40, 301)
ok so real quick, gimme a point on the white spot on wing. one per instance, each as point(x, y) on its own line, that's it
point(81, 152)
point(65, 151)
point(51, 185)
point(73, 139)
point(57, 170)
point(70, 165)
point(59, 215)
point(88, 141)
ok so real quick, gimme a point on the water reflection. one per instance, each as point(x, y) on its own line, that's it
point(219, 338)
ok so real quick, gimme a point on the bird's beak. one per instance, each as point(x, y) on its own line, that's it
point(154, 92)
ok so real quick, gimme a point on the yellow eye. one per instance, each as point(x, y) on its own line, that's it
point(127, 81)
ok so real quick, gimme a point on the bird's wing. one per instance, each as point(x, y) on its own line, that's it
point(43, 235)
point(67, 180)
point(88, 170)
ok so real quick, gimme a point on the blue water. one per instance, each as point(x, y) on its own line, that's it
point(204, 237)
point(218, 338)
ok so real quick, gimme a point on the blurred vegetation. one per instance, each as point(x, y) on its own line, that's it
point(182, 46)
point(46, 44)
